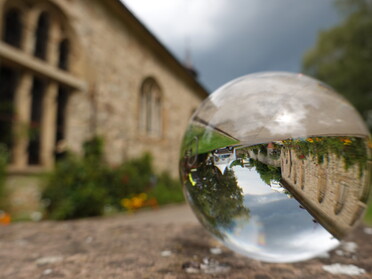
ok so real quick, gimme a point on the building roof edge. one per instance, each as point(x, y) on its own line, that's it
point(159, 47)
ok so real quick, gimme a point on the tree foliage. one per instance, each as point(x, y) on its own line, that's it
point(218, 198)
point(342, 56)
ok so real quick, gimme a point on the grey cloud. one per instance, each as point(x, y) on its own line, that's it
point(260, 36)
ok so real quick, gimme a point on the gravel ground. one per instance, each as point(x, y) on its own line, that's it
point(164, 243)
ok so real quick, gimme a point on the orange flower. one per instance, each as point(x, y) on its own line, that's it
point(309, 140)
point(135, 202)
point(5, 218)
point(346, 141)
point(152, 202)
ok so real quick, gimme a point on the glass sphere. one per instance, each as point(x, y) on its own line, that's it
point(275, 165)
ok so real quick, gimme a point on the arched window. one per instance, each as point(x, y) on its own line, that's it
point(13, 29)
point(150, 109)
point(34, 98)
point(64, 49)
point(322, 184)
point(303, 169)
point(341, 197)
point(37, 96)
point(290, 163)
point(357, 214)
point(41, 36)
point(60, 136)
point(8, 84)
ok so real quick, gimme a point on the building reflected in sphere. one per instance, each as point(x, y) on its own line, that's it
point(276, 166)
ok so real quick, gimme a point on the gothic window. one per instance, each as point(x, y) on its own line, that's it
point(357, 214)
point(322, 184)
point(302, 175)
point(341, 197)
point(294, 171)
point(12, 32)
point(8, 83)
point(290, 163)
point(41, 36)
point(37, 94)
point(34, 99)
point(150, 109)
point(63, 54)
point(60, 136)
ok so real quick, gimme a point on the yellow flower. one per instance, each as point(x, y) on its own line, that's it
point(126, 203)
point(346, 141)
point(309, 140)
point(137, 202)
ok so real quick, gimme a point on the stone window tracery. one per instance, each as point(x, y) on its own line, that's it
point(36, 80)
point(37, 96)
point(64, 47)
point(42, 36)
point(13, 27)
point(150, 122)
point(322, 184)
point(341, 198)
point(8, 82)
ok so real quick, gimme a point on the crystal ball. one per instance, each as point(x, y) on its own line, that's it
point(275, 165)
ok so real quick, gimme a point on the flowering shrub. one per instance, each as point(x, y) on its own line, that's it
point(5, 218)
point(352, 150)
point(139, 201)
point(83, 187)
point(75, 189)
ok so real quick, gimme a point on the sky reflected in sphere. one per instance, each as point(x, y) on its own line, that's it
point(275, 165)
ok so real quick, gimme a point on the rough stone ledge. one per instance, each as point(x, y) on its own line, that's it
point(166, 243)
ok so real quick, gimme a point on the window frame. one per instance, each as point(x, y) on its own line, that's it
point(47, 69)
point(151, 109)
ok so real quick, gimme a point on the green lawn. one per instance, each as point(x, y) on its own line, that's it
point(208, 140)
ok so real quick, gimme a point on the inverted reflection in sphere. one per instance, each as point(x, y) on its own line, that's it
point(275, 165)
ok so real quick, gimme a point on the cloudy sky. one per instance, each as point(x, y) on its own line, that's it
point(231, 38)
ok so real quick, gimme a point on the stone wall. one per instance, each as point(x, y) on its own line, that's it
point(118, 61)
point(24, 196)
point(111, 54)
point(335, 195)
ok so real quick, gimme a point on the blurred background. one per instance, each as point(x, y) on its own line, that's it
point(224, 40)
point(95, 96)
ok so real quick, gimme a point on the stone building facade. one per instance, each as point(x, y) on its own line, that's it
point(72, 69)
point(335, 196)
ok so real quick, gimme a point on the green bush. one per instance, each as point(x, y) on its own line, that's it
point(75, 189)
point(84, 187)
point(131, 178)
point(167, 190)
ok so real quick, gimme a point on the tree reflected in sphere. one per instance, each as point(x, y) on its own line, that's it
point(276, 166)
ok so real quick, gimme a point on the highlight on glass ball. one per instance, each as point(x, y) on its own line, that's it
point(275, 165)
